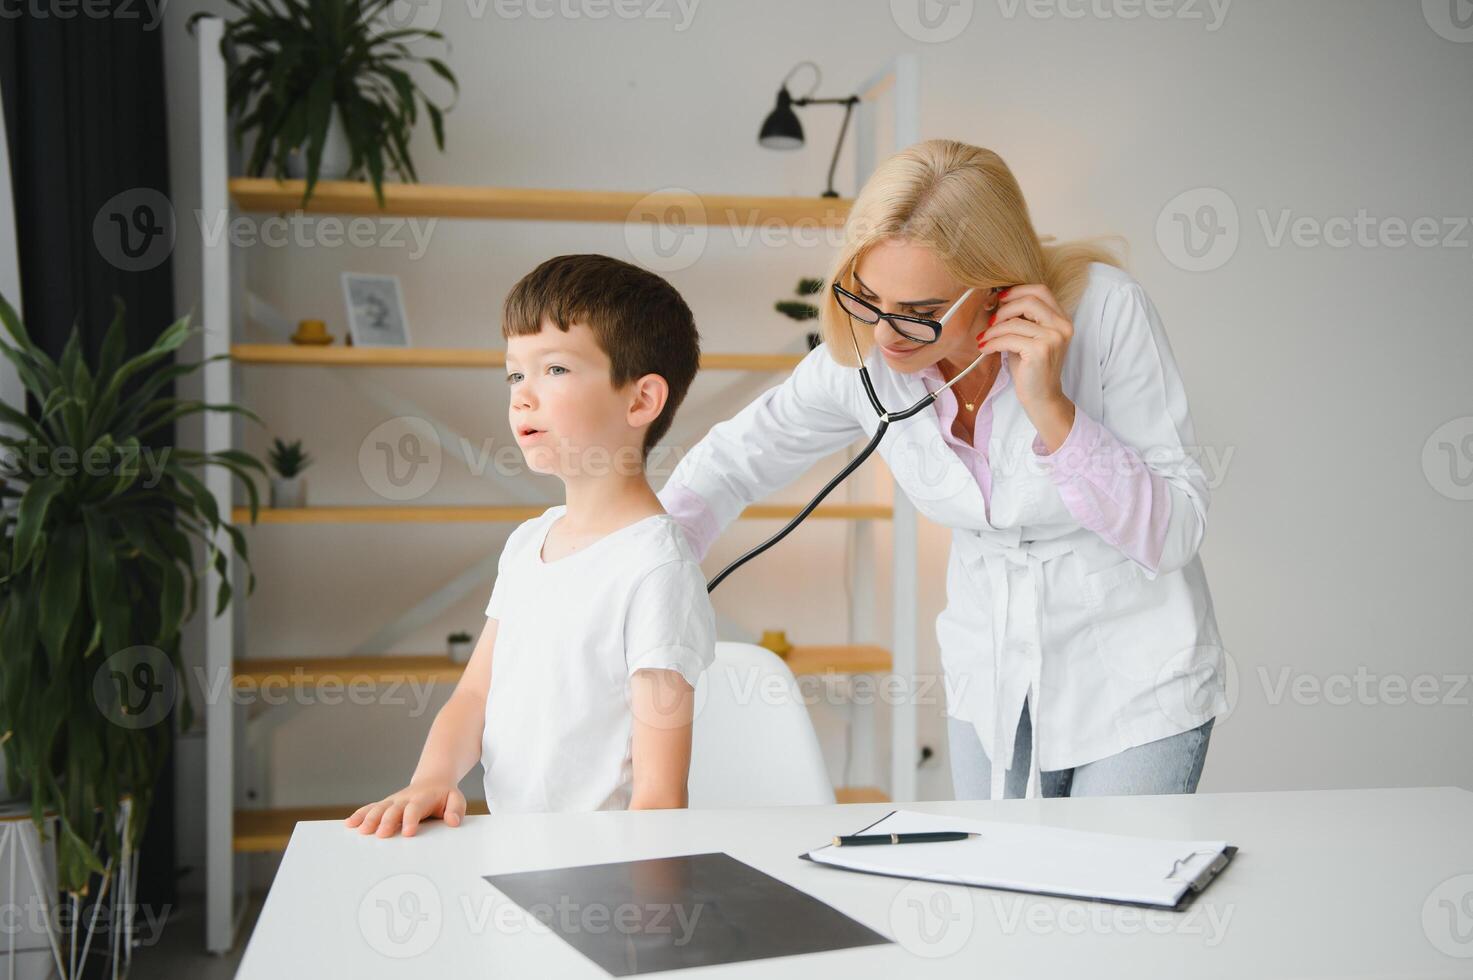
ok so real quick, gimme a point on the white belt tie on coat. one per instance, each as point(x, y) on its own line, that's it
point(1028, 556)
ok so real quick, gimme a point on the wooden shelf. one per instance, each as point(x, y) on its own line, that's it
point(449, 514)
point(538, 204)
point(843, 658)
point(267, 831)
point(301, 672)
point(860, 794)
point(338, 355)
point(312, 671)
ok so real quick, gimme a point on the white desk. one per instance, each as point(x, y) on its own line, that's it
point(1327, 883)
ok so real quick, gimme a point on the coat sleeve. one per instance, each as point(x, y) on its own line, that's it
point(1132, 476)
point(763, 448)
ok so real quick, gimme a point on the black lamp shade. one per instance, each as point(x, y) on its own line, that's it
point(782, 130)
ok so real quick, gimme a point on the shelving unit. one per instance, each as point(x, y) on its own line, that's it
point(231, 834)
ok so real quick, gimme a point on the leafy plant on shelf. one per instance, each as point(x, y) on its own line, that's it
point(801, 309)
point(97, 573)
point(301, 58)
point(288, 459)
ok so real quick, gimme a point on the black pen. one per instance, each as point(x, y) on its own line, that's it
point(931, 838)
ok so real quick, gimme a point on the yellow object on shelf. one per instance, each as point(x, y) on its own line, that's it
point(311, 333)
point(776, 641)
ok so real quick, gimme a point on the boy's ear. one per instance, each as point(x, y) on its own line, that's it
point(647, 398)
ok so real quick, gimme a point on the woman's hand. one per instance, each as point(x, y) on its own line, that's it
point(413, 803)
point(1029, 323)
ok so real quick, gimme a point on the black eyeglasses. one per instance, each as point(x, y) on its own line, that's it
point(921, 329)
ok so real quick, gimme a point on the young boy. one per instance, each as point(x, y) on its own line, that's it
point(580, 693)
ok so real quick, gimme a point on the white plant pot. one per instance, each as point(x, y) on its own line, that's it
point(288, 492)
point(336, 154)
point(460, 651)
point(33, 958)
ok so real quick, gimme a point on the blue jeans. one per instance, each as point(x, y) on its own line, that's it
point(1167, 765)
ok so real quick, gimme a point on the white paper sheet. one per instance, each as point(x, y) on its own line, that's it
point(1032, 858)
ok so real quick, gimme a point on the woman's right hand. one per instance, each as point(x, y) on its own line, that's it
point(415, 802)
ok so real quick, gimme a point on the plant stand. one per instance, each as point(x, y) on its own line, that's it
point(20, 847)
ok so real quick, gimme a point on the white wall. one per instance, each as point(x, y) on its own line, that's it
point(1317, 372)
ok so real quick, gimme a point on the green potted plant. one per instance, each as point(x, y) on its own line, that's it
point(316, 76)
point(288, 486)
point(97, 574)
point(800, 309)
point(459, 644)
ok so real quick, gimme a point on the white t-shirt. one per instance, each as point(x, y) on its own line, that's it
point(558, 726)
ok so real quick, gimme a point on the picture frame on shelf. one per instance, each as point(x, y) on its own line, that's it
point(375, 305)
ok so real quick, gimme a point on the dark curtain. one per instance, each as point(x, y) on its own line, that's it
point(84, 111)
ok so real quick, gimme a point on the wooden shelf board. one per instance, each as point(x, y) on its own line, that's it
point(339, 355)
point(424, 668)
point(312, 671)
point(449, 514)
point(842, 658)
point(538, 204)
point(266, 831)
point(860, 794)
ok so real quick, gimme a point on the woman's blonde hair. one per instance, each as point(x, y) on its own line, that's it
point(964, 203)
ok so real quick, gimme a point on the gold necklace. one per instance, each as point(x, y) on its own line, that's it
point(971, 405)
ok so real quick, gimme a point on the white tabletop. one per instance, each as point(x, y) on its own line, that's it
point(1340, 883)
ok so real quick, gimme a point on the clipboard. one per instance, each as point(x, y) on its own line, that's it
point(1195, 885)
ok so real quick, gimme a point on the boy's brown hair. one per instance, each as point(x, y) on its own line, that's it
point(638, 319)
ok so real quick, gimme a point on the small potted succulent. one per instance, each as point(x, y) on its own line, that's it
point(288, 487)
point(460, 646)
point(800, 309)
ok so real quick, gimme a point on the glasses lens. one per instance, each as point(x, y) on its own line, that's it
point(910, 330)
point(856, 309)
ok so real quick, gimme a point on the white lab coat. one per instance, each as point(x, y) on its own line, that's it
point(1112, 653)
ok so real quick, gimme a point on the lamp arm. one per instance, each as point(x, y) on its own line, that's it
point(849, 102)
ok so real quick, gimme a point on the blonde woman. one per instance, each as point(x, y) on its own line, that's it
point(1078, 642)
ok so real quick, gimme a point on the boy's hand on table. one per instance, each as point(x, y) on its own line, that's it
point(406, 808)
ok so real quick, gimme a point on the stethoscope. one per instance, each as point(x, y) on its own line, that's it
point(886, 417)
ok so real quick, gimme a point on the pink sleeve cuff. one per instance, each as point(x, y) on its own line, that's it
point(694, 517)
point(1109, 489)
